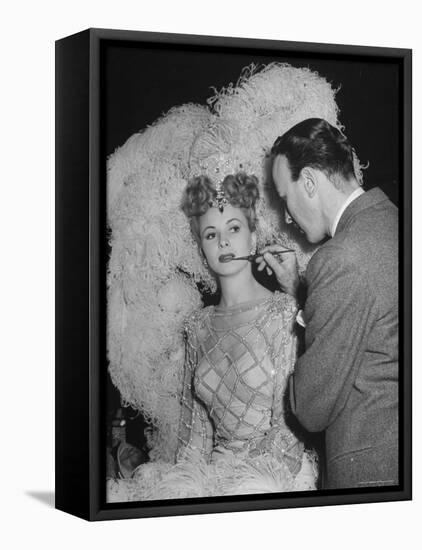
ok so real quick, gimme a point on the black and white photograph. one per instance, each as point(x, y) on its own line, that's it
point(253, 258)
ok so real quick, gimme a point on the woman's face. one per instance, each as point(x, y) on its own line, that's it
point(223, 235)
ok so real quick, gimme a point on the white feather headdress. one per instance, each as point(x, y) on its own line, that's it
point(154, 265)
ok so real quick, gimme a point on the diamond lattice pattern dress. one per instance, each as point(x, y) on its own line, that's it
point(238, 363)
point(233, 434)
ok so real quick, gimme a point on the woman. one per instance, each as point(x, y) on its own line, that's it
point(239, 353)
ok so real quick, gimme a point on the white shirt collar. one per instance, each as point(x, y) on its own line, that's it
point(356, 193)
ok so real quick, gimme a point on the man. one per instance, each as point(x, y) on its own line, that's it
point(346, 381)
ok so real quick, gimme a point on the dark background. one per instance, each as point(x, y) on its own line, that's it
point(141, 82)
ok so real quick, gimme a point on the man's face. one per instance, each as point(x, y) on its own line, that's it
point(300, 207)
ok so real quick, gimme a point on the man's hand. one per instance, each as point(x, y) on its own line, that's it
point(284, 267)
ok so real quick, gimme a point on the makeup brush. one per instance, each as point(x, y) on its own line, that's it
point(253, 257)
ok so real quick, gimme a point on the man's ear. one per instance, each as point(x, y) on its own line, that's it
point(310, 181)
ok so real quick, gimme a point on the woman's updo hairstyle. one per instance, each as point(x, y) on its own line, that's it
point(240, 190)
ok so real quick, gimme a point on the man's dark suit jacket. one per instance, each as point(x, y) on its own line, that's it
point(346, 382)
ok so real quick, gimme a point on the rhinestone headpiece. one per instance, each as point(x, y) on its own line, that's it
point(220, 200)
point(216, 167)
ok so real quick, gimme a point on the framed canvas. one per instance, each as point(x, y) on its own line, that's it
point(138, 116)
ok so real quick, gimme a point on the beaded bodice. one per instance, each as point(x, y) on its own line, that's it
point(238, 362)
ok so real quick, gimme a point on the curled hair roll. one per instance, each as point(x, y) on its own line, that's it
point(241, 190)
point(197, 196)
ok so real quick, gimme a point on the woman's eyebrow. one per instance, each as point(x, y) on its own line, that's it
point(213, 226)
point(208, 227)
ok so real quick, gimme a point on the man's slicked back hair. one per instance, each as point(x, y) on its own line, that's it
point(316, 143)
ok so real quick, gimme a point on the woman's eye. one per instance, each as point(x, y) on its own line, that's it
point(235, 228)
point(209, 236)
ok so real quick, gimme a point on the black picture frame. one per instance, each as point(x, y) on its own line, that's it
point(81, 247)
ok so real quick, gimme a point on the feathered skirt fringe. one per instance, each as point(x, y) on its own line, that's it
point(193, 477)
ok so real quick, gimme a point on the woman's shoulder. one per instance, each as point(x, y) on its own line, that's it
point(282, 305)
point(196, 319)
point(281, 300)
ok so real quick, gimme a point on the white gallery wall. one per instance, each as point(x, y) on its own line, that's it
point(29, 30)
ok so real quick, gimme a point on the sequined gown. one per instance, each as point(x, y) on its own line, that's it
point(232, 432)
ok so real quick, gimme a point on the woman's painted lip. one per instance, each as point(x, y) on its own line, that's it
point(224, 258)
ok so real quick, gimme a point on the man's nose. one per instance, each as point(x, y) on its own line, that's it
point(287, 217)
